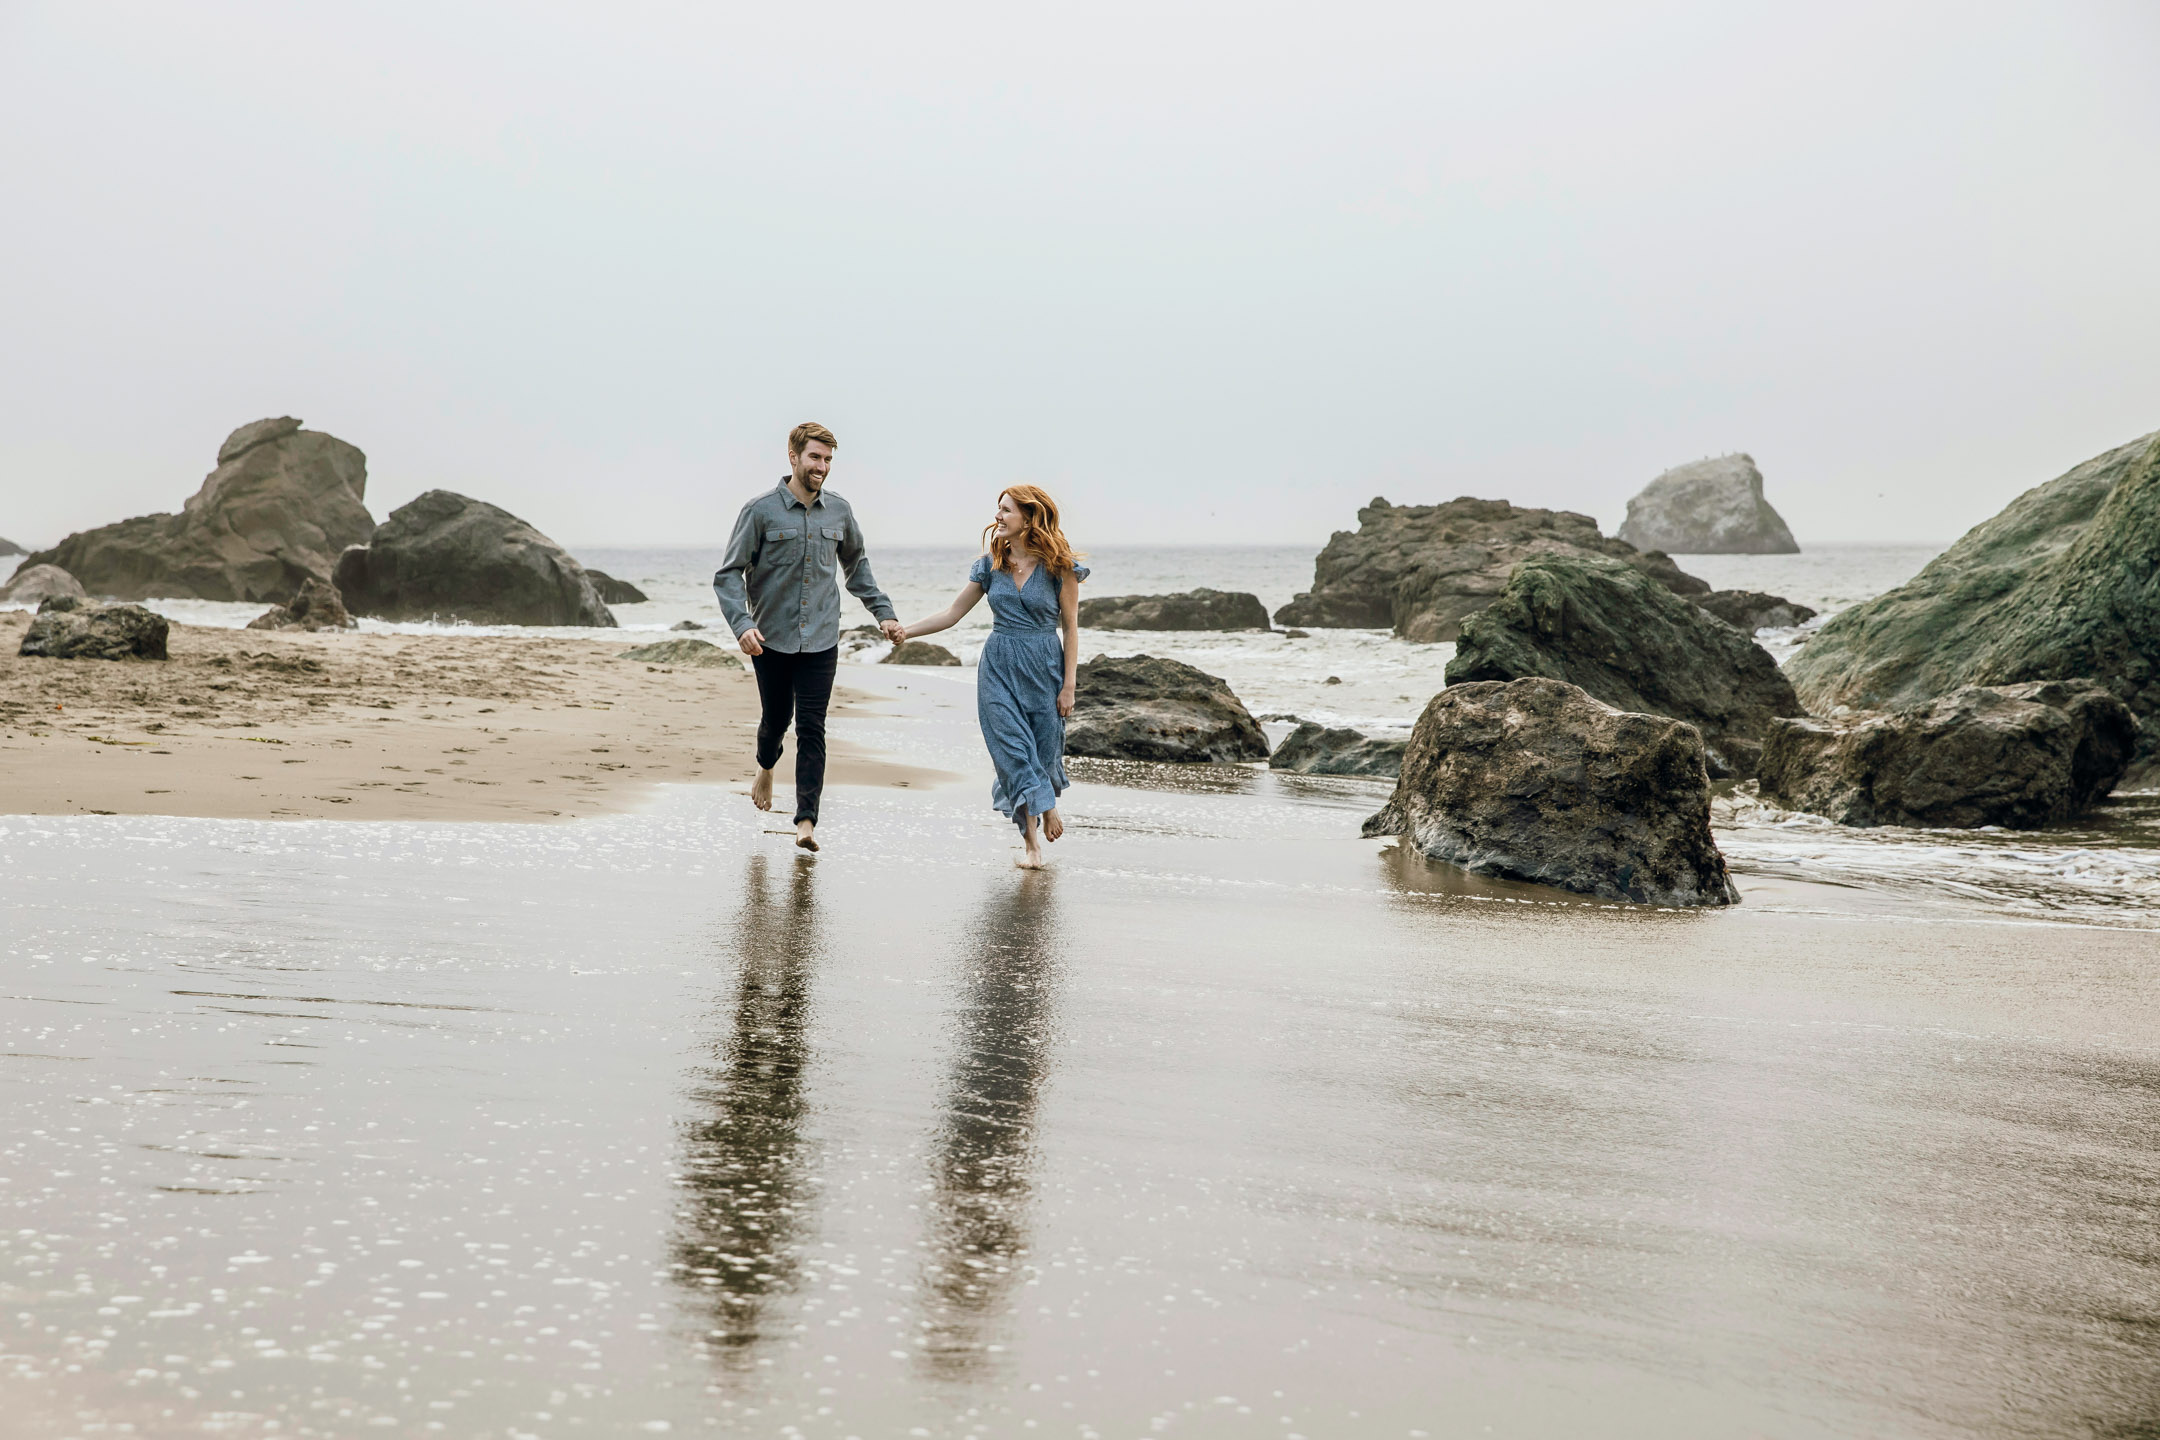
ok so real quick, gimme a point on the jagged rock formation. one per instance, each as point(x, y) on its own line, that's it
point(2020, 756)
point(2064, 584)
point(1630, 642)
point(1709, 507)
point(682, 652)
point(276, 511)
point(613, 591)
point(1140, 707)
point(1535, 780)
point(34, 584)
point(1201, 609)
point(1313, 749)
point(1419, 569)
point(1752, 610)
point(449, 557)
point(920, 652)
point(68, 629)
point(318, 606)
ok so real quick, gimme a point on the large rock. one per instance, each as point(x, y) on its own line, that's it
point(1753, 610)
point(2020, 756)
point(9, 547)
point(2063, 584)
point(1631, 643)
point(920, 652)
point(1139, 707)
point(1419, 569)
point(277, 510)
point(1709, 507)
point(317, 606)
point(449, 557)
point(1535, 780)
point(67, 629)
point(1193, 610)
point(1313, 749)
point(33, 584)
point(613, 591)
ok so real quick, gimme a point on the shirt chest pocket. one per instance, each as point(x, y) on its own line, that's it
point(828, 544)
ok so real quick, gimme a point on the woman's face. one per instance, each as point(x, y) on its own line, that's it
point(1009, 519)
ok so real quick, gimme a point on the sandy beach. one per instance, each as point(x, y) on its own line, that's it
point(257, 724)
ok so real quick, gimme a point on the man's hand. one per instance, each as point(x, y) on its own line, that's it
point(751, 641)
point(894, 630)
point(1065, 702)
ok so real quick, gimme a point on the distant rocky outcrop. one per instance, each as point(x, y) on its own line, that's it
point(1141, 707)
point(686, 625)
point(1708, 507)
point(613, 591)
point(1419, 569)
point(33, 584)
point(1313, 749)
point(317, 606)
point(9, 547)
point(2019, 756)
point(276, 511)
point(1752, 610)
point(682, 652)
point(920, 652)
point(2059, 586)
point(1201, 609)
point(69, 629)
point(1630, 642)
point(1535, 780)
point(445, 556)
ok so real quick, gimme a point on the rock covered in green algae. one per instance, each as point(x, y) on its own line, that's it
point(1631, 643)
point(66, 628)
point(682, 652)
point(920, 652)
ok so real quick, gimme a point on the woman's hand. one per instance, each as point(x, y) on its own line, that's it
point(1065, 702)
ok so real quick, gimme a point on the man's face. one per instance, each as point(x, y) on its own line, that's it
point(812, 464)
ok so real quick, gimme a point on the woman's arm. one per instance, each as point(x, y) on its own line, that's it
point(1069, 627)
point(950, 616)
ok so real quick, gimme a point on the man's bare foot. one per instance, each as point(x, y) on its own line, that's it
point(1053, 825)
point(761, 790)
point(806, 835)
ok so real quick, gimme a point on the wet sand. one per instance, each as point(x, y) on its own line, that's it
point(251, 724)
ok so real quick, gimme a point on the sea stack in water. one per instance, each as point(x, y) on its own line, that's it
point(1752, 610)
point(68, 629)
point(2059, 586)
point(1201, 609)
point(445, 556)
point(1709, 507)
point(1534, 780)
point(1631, 643)
point(9, 547)
point(1419, 569)
point(35, 584)
point(613, 591)
point(2020, 756)
point(1139, 707)
point(276, 511)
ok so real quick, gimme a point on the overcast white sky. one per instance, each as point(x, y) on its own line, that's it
point(1212, 272)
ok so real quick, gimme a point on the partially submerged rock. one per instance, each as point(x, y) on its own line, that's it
point(2020, 756)
point(920, 652)
point(1419, 569)
point(682, 652)
point(1314, 749)
point(1752, 610)
point(1632, 643)
point(2059, 586)
point(1201, 609)
point(68, 629)
point(1708, 507)
point(1535, 780)
point(35, 583)
point(1142, 707)
point(447, 557)
point(317, 606)
point(277, 510)
point(613, 591)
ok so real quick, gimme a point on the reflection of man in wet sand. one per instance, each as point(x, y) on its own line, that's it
point(777, 589)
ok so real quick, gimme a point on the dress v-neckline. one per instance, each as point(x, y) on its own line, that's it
point(1020, 585)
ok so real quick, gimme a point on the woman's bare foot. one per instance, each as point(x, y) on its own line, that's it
point(1033, 859)
point(1053, 826)
point(806, 835)
point(761, 790)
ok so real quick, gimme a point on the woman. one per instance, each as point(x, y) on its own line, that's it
point(1024, 682)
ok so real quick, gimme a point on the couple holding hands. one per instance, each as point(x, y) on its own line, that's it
point(779, 589)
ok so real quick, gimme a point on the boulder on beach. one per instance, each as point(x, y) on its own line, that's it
point(686, 625)
point(682, 652)
point(1419, 569)
point(1535, 780)
point(1708, 507)
point(1141, 707)
point(613, 591)
point(68, 629)
point(2059, 586)
point(1752, 610)
point(277, 510)
point(2019, 756)
point(445, 556)
point(920, 652)
point(33, 584)
point(1630, 642)
point(317, 606)
point(1201, 609)
point(1314, 749)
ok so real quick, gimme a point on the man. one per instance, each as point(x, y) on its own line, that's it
point(776, 590)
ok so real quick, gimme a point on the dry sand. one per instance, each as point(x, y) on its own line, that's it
point(261, 724)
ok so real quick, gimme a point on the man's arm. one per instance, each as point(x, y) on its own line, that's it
point(855, 561)
point(728, 582)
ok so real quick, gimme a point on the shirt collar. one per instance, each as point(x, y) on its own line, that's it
point(787, 496)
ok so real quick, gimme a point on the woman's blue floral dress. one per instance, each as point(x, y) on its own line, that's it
point(1016, 689)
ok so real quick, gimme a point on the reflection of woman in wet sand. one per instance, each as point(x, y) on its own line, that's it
point(1024, 683)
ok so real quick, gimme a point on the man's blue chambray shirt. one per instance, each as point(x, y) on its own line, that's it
point(780, 567)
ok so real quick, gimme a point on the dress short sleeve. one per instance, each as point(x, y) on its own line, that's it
point(1080, 572)
point(979, 572)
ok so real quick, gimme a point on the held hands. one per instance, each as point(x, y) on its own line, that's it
point(894, 630)
point(1065, 703)
point(751, 642)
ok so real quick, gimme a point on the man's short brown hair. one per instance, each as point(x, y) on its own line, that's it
point(806, 432)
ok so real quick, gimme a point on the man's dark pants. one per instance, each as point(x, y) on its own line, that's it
point(798, 687)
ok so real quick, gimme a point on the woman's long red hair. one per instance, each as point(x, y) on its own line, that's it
point(1039, 532)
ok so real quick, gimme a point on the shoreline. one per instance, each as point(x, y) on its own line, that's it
point(277, 725)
